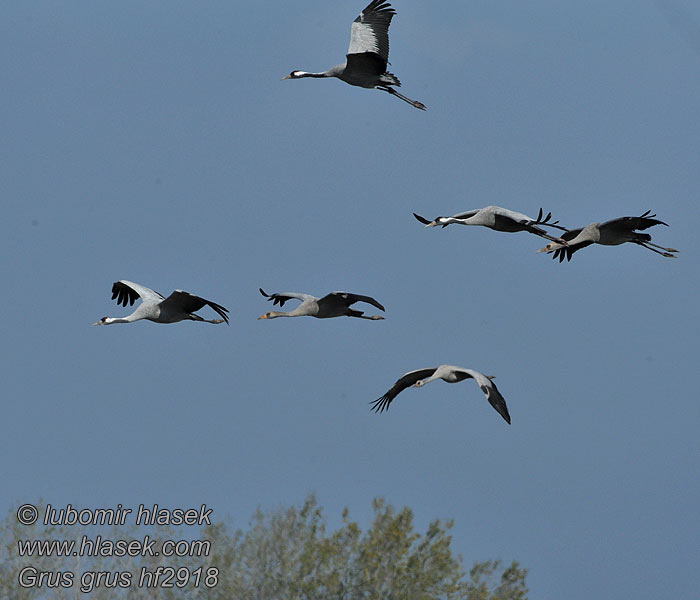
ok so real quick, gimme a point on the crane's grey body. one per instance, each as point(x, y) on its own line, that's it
point(609, 233)
point(179, 306)
point(450, 374)
point(368, 54)
point(335, 304)
point(498, 219)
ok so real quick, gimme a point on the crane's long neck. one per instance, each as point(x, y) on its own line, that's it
point(302, 74)
point(113, 320)
point(467, 221)
point(423, 382)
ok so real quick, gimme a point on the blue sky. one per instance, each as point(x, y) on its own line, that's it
point(156, 143)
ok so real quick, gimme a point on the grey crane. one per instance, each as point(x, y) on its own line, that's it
point(179, 306)
point(498, 219)
point(368, 54)
point(610, 233)
point(450, 374)
point(335, 304)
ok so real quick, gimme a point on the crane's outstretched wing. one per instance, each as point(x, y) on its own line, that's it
point(126, 292)
point(283, 297)
point(446, 220)
point(189, 303)
point(422, 219)
point(528, 222)
point(631, 223)
point(370, 31)
point(492, 394)
point(407, 380)
point(349, 299)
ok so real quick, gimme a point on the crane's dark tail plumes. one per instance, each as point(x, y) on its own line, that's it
point(390, 79)
point(393, 92)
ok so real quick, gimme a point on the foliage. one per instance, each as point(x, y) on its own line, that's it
point(285, 554)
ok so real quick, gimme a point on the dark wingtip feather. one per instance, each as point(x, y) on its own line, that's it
point(421, 219)
point(380, 404)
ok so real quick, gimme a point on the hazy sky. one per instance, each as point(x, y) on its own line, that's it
point(155, 142)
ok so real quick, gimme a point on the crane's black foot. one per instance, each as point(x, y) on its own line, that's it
point(419, 105)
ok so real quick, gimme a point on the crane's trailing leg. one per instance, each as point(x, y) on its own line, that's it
point(667, 252)
point(360, 315)
point(549, 237)
point(393, 92)
point(203, 320)
point(661, 247)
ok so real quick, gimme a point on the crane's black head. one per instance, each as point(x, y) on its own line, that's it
point(294, 75)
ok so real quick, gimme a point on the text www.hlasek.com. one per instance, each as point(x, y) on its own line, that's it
point(99, 547)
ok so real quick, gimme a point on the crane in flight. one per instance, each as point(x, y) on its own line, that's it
point(335, 304)
point(498, 219)
point(179, 306)
point(368, 54)
point(450, 374)
point(609, 233)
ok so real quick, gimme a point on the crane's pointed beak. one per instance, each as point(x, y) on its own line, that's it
point(431, 224)
point(263, 317)
point(545, 249)
point(286, 77)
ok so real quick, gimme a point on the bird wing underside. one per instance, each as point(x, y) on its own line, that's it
point(461, 376)
point(496, 400)
point(127, 292)
point(366, 62)
point(348, 299)
point(422, 219)
point(631, 223)
point(281, 298)
point(369, 32)
point(406, 381)
point(567, 236)
point(513, 224)
point(189, 303)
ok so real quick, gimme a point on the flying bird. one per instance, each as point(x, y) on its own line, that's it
point(368, 54)
point(450, 374)
point(179, 306)
point(610, 233)
point(498, 219)
point(335, 304)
